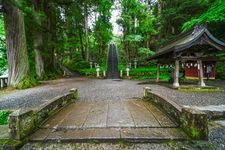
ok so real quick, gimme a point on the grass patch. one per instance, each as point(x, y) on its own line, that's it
point(4, 117)
point(91, 72)
point(10, 144)
point(148, 73)
point(202, 89)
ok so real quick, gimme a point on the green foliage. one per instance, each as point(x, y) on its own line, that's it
point(50, 75)
point(121, 67)
point(133, 38)
point(195, 133)
point(88, 72)
point(75, 63)
point(203, 89)
point(102, 30)
point(138, 24)
point(28, 82)
point(216, 13)
point(148, 73)
point(220, 71)
point(3, 61)
point(4, 117)
point(91, 72)
point(174, 14)
point(144, 53)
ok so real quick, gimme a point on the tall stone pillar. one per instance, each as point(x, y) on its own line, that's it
point(158, 73)
point(200, 74)
point(176, 74)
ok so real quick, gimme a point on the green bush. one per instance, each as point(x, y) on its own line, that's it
point(221, 71)
point(88, 72)
point(51, 75)
point(4, 117)
point(92, 72)
point(27, 82)
point(148, 73)
point(75, 63)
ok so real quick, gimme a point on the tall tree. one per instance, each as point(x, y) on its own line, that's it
point(103, 27)
point(15, 43)
point(38, 40)
point(215, 13)
point(86, 29)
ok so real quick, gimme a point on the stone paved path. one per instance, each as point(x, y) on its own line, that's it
point(128, 120)
point(109, 111)
point(123, 95)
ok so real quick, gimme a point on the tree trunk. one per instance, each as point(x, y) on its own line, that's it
point(82, 45)
point(86, 29)
point(148, 40)
point(49, 37)
point(38, 41)
point(15, 43)
point(159, 15)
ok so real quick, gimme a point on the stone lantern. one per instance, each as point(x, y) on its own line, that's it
point(98, 70)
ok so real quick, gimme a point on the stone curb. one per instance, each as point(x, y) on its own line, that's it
point(23, 122)
point(193, 122)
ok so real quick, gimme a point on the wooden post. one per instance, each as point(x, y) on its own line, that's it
point(158, 73)
point(176, 74)
point(200, 74)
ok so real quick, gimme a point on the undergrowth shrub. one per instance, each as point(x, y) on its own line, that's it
point(4, 117)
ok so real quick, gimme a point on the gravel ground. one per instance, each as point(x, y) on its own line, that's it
point(89, 90)
point(108, 90)
point(189, 98)
point(118, 146)
point(103, 90)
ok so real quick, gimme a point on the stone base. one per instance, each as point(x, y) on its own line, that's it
point(176, 85)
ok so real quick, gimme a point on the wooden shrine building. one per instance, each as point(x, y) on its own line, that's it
point(195, 50)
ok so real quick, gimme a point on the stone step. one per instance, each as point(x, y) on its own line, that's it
point(150, 135)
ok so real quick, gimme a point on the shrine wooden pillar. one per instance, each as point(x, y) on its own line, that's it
point(176, 74)
point(200, 73)
point(158, 73)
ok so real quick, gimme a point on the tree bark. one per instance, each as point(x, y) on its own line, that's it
point(38, 41)
point(15, 43)
point(159, 15)
point(86, 29)
point(49, 36)
point(148, 40)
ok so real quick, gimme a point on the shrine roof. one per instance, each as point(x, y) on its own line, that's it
point(198, 36)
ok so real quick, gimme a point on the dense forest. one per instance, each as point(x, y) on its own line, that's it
point(39, 38)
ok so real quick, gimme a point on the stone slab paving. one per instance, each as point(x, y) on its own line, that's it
point(130, 113)
point(108, 135)
point(130, 120)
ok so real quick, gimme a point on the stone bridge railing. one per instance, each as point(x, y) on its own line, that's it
point(22, 123)
point(193, 122)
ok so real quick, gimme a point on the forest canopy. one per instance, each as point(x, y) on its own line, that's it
point(43, 37)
